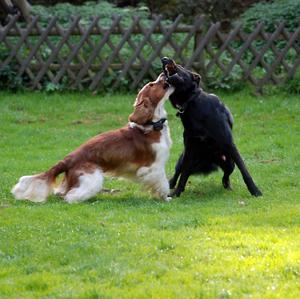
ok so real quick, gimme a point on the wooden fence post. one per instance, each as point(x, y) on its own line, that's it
point(199, 65)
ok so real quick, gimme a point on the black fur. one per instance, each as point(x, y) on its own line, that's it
point(207, 122)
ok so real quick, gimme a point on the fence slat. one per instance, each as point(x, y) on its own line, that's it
point(264, 49)
point(74, 51)
point(279, 58)
point(192, 33)
point(98, 48)
point(245, 46)
point(54, 53)
point(20, 43)
point(132, 45)
point(37, 46)
point(156, 52)
point(100, 74)
point(230, 37)
point(199, 48)
point(137, 50)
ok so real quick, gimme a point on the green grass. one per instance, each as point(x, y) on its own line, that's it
point(209, 243)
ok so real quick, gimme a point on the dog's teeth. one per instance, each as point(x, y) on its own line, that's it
point(166, 69)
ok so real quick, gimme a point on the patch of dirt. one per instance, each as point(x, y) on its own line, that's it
point(30, 121)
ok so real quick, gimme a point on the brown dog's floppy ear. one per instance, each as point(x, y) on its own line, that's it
point(196, 78)
point(143, 111)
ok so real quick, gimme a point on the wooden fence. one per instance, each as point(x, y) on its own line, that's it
point(119, 57)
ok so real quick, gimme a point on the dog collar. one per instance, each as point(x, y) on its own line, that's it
point(149, 126)
point(181, 108)
point(157, 125)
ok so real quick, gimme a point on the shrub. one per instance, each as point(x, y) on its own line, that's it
point(233, 82)
point(88, 10)
point(293, 85)
point(8, 74)
point(271, 14)
point(9, 79)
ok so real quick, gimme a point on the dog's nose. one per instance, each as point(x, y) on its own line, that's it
point(166, 60)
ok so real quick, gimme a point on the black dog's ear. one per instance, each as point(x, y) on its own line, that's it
point(196, 78)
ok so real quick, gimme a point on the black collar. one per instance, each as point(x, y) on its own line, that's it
point(157, 125)
point(149, 126)
point(181, 108)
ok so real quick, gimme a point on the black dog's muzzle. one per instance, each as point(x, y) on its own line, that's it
point(169, 66)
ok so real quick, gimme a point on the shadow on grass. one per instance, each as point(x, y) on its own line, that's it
point(207, 192)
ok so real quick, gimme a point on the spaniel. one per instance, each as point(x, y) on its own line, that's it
point(138, 151)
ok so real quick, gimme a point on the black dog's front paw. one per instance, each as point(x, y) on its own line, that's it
point(256, 192)
point(176, 193)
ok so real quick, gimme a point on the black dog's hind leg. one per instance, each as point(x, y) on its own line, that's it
point(246, 175)
point(227, 166)
point(221, 133)
point(178, 167)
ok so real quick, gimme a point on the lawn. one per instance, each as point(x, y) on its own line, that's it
point(209, 243)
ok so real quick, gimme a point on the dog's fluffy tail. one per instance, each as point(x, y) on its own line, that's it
point(37, 188)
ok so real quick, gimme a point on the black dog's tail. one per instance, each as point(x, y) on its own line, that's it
point(244, 171)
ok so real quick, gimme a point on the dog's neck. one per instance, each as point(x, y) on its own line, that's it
point(149, 126)
point(159, 118)
point(180, 102)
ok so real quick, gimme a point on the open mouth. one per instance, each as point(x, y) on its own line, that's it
point(169, 66)
point(170, 69)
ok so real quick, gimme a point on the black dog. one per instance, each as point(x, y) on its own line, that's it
point(207, 122)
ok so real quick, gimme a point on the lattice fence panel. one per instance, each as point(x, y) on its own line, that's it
point(118, 57)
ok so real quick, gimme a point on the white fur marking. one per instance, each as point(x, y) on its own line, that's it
point(160, 111)
point(154, 176)
point(32, 188)
point(89, 185)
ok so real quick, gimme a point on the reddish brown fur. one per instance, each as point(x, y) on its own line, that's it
point(119, 152)
point(146, 102)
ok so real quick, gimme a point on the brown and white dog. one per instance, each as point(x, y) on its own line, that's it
point(138, 151)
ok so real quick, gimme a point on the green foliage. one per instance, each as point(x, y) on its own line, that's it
point(9, 79)
point(87, 11)
point(233, 82)
point(209, 243)
point(271, 13)
point(293, 85)
point(51, 87)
